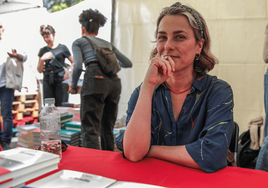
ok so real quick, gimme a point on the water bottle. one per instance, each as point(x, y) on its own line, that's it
point(50, 128)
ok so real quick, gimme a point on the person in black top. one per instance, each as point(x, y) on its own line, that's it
point(51, 62)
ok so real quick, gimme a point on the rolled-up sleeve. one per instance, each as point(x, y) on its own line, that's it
point(210, 150)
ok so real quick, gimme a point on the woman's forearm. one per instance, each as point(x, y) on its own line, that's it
point(40, 66)
point(137, 137)
point(175, 154)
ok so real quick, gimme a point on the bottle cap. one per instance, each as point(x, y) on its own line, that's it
point(49, 100)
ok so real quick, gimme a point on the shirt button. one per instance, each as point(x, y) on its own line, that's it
point(184, 108)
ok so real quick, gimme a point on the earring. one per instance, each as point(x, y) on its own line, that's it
point(197, 56)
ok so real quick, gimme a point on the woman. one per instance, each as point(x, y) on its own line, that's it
point(180, 113)
point(53, 55)
point(100, 93)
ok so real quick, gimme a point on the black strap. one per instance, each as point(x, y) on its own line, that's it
point(54, 57)
point(93, 45)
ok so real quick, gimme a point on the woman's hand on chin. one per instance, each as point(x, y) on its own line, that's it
point(159, 70)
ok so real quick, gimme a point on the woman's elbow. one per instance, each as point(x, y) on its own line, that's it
point(133, 157)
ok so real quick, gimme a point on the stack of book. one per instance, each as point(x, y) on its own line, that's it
point(65, 117)
point(19, 165)
point(25, 136)
point(70, 137)
point(75, 126)
point(36, 138)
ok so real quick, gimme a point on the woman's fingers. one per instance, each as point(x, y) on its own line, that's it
point(168, 65)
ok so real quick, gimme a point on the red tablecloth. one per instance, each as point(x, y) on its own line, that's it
point(157, 172)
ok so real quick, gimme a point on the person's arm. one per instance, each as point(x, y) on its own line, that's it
point(77, 66)
point(21, 57)
point(70, 58)
point(46, 56)
point(175, 154)
point(124, 62)
point(137, 136)
point(265, 46)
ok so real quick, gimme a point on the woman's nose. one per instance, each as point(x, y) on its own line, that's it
point(169, 45)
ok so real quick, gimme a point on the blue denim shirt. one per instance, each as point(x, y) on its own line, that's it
point(204, 124)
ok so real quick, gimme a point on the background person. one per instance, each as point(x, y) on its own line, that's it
point(262, 161)
point(7, 94)
point(51, 59)
point(180, 113)
point(100, 93)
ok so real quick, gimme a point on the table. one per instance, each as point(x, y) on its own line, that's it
point(157, 172)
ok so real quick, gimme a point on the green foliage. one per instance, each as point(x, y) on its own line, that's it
point(57, 5)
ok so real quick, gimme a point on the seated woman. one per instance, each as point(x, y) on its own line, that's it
point(180, 113)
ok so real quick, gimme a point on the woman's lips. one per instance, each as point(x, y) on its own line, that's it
point(173, 56)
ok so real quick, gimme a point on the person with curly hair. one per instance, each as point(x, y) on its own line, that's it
point(51, 62)
point(100, 92)
point(180, 113)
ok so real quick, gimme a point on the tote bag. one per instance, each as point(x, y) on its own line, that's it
point(14, 74)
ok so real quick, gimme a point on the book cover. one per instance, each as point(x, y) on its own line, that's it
point(27, 128)
point(28, 176)
point(20, 161)
point(73, 124)
point(63, 113)
point(69, 133)
point(69, 178)
point(68, 116)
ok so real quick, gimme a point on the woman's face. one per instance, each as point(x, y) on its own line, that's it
point(48, 38)
point(176, 39)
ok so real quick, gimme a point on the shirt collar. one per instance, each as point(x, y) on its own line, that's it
point(198, 83)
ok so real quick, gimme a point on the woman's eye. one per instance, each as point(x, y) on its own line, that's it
point(180, 37)
point(161, 37)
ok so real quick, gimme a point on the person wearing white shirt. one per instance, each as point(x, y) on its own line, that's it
point(6, 94)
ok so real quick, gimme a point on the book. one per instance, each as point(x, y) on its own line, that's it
point(26, 137)
point(69, 133)
point(28, 176)
point(72, 143)
point(70, 178)
point(63, 113)
point(36, 138)
point(36, 133)
point(27, 128)
point(20, 161)
point(73, 125)
point(25, 145)
point(67, 118)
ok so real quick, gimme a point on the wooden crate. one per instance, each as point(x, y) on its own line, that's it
point(25, 105)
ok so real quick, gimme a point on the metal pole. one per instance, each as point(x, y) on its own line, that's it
point(113, 22)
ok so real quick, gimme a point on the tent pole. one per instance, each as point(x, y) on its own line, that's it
point(113, 22)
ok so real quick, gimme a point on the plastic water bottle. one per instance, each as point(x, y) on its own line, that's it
point(50, 128)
